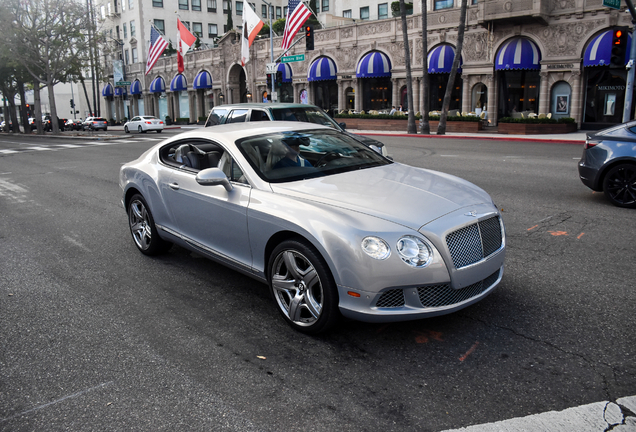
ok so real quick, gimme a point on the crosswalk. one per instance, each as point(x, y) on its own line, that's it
point(80, 144)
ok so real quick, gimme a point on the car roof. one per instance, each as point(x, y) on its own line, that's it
point(266, 105)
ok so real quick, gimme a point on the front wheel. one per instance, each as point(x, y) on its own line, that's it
point(619, 185)
point(303, 287)
point(126, 129)
point(158, 130)
point(143, 229)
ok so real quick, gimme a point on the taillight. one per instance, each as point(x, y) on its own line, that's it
point(148, 122)
point(160, 122)
point(591, 143)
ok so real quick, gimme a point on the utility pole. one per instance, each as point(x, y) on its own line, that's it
point(631, 70)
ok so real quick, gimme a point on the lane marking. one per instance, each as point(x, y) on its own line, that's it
point(558, 233)
point(579, 236)
point(531, 228)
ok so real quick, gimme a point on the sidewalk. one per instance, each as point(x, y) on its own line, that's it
point(571, 138)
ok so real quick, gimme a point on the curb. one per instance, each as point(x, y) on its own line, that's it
point(473, 137)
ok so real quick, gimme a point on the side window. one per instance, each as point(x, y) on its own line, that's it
point(258, 115)
point(237, 116)
point(216, 117)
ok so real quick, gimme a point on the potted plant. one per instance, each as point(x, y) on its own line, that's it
point(168, 120)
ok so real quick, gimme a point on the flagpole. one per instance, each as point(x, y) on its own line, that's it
point(270, 12)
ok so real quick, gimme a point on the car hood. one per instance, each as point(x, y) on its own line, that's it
point(365, 140)
point(399, 193)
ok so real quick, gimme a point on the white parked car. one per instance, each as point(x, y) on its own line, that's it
point(143, 124)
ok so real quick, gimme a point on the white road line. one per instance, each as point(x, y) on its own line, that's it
point(38, 148)
point(597, 416)
point(68, 145)
point(9, 151)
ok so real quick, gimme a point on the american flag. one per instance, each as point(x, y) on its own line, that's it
point(157, 45)
point(297, 14)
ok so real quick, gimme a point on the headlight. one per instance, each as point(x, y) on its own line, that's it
point(376, 248)
point(414, 251)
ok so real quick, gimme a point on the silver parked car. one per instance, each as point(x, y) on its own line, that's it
point(330, 225)
point(608, 163)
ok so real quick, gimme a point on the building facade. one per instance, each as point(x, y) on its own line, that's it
point(518, 57)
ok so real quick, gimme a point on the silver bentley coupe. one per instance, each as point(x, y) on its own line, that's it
point(331, 226)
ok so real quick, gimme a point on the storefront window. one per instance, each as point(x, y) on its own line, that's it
point(163, 106)
point(351, 98)
point(286, 93)
point(184, 105)
point(518, 92)
point(479, 98)
point(605, 96)
point(438, 84)
point(560, 100)
point(377, 93)
point(326, 95)
point(140, 106)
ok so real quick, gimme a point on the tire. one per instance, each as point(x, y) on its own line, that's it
point(302, 287)
point(139, 129)
point(619, 185)
point(158, 130)
point(143, 229)
point(126, 129)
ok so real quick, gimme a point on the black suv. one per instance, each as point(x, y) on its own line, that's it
point(250, 112)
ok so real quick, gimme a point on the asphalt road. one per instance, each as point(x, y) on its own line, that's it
point(96, 336)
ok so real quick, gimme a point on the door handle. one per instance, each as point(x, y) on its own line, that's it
point(174, 186)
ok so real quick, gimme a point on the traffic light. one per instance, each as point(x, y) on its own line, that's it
point(269, 81)
point(279, 78)
point(619, 47)
point(72, 103)
point(309, 37)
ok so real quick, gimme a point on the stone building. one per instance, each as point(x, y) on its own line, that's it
point(521, 56)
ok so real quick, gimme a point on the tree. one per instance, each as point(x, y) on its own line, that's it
point(407, 60)
point(425, 127)
point(230, 23)
point(441, 128)
point(48, 38)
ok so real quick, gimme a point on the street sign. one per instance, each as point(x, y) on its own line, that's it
point(614, 4)
point(297, 58)
point(270, 68)
point(122, 83)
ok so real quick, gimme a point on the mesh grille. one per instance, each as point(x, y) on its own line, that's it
point(444, 295)
point(474, 242)
point(391, 299)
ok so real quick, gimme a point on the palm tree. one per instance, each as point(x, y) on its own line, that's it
point(425, 127)
point(441, 128)
point(407, 61)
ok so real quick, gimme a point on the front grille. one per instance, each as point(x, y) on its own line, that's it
point(474, 242)
point(391, 299)
point(444, 295)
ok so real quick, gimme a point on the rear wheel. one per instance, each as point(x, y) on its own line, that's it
point(158, 130)
point(303, 287)
point(143, 229)
point(126, 129)
point(140, 129)
point(619, 185)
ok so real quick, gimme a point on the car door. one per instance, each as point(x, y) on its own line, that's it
point(237, 116)
point(210, 217)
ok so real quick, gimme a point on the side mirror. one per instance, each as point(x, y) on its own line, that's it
point(214, 177)
point(342, 125)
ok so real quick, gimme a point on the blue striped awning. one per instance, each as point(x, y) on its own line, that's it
point(203, 80)
point(322, 69)
point(107, 91)
point(157, 85)
point(135, 88)
point(285, 68)
point(178, 83)
point(518, 53)
point(374, 65)
point(599, 51)
point(120, 91)
point(440, 60)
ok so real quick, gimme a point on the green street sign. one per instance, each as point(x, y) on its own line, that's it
point(122, 83)
point(297, 58)
point(614, 4)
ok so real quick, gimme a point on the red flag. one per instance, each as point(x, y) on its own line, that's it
point(185, 41)
point(297, 14)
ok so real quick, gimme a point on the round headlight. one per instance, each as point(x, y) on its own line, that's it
point(376, 248)
point(414, 251)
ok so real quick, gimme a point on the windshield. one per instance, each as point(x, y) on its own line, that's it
point(290, 156)
point(307, 115)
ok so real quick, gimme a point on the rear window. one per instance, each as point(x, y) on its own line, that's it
point(307, 115)
point(237, 116)
point(99, 119)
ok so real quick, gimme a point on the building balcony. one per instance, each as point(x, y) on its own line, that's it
point(513, 11)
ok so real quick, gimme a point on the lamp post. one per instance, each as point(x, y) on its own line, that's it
point(221, 98)
point(249, 96)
